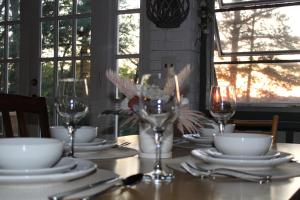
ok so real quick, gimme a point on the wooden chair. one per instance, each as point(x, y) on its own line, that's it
point(271, 125)
point(24, 107)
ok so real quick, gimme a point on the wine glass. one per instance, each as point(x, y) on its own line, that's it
point(158, 109)
point(71, 104)
point(222, 104)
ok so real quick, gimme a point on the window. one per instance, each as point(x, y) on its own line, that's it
point(128, 37)
point(257, 49)
point(65, 42)
point(9, 45)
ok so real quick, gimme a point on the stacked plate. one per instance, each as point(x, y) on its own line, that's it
point(270, 159)
point(64, 170)
point(198, 138)
point(85, 138)
point(95, 145)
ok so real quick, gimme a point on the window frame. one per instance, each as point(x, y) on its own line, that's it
point(56, 58)
point(130, 55)
point(289, 117)
point(249, 3)
point(285, 107)
point(6, 60)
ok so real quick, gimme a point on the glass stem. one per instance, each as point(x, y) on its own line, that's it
point(71, 130)
point(222, 127)
point(157, 164)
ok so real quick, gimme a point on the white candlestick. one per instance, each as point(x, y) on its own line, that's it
point(177, 88)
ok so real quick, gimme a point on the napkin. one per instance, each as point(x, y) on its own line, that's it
point(41, 191)
point(108, 153)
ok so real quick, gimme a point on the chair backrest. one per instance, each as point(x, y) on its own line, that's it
point(23, 106)
point(272, 125)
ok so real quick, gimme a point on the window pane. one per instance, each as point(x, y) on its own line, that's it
point(262, 57)
point(2, 78)
point(262, 83)
point(12, 78)
point(65, 7)
point(83, 6)
point(129, 4)
point(13, 41)
point(269, 29)
point(83, 68)
point(129, 34)
point(47, 79)
point(65, 38)
point(48, 8)
point(65, 69)
point(83, 37)
point(48, 87)
point(2, 38)
point(14, 10)
point(128, 68)
point(47, 39)
point(2, 10)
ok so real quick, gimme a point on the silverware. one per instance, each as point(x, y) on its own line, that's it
point(62, 195)
point(111, 182)
point(195, 170)
point(129, 181)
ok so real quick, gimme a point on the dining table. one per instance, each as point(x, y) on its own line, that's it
point(184, 186)
point(121, 162)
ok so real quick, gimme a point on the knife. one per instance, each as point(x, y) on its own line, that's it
point(62, 195)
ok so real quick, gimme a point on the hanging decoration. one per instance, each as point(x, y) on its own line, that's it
point(167, 13)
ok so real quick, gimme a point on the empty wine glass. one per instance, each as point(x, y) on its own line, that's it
point(71, 105)
point(157, 109)
point(222, 104)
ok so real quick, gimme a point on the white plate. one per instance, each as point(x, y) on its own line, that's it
point(95, 147)
point(96, 141)
point(198, 138)
point(215, 153)
point(83, 168)
point(63, 165)
point(202, 155)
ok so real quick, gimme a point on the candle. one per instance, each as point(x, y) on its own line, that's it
point(177, 88)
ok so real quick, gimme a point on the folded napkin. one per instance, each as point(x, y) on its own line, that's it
point(42, 191)
point(108, 153)
point(284, 171)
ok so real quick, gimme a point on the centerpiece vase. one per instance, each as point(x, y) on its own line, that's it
point(147, 144)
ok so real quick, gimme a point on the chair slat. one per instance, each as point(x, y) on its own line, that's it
point(272, 124)
point(23, 105)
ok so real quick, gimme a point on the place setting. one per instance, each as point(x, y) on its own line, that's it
point(245, 156)
point(222, 108)
point(41, 171)
point(88, 145)
point(42, 162)
point(204, 137)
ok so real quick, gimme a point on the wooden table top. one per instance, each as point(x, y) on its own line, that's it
point(186, 187)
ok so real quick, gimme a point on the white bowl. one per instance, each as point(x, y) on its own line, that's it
point(83, 134)
point(245, 144)
point(209, 132)
point(29, 153)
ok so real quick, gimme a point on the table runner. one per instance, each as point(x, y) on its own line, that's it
point(42, 191)
point(110, 153)
point(284, 171)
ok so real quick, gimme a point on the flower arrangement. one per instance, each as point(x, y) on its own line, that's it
point(187, 119)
